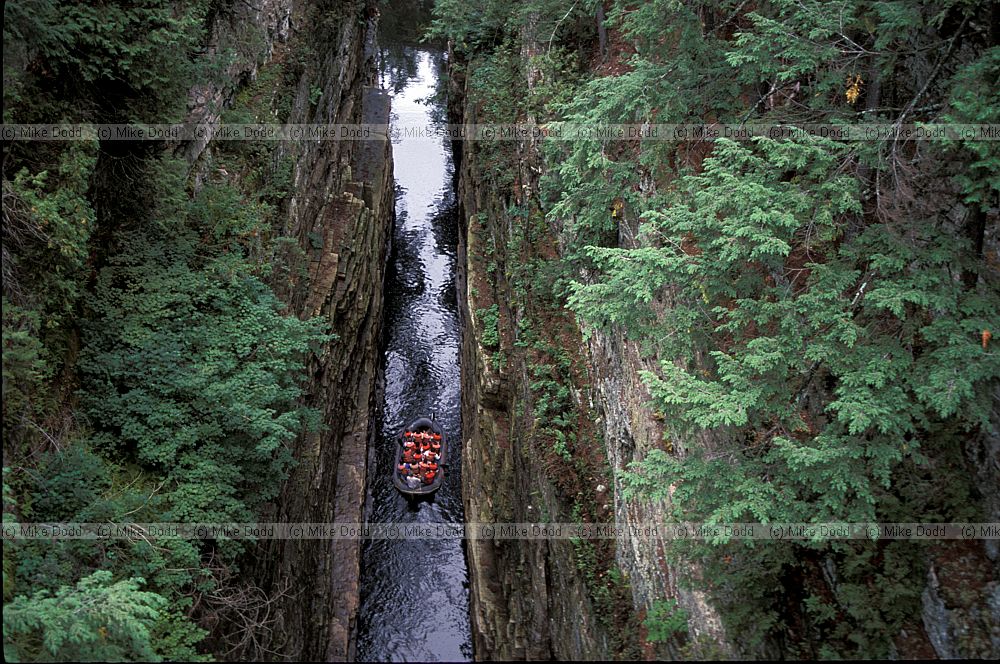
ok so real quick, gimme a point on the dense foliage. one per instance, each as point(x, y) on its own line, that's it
point(150, 373)
point(820, 310)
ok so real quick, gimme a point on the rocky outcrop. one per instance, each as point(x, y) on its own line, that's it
point(528, 598)
point(631, 430)
point(533, 599)
point(341, 213)
point(344, 285)
point(248, 31)
point(335, 225)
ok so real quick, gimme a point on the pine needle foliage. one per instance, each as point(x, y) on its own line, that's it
point(817, 311)
point(150, 373)
point(97, 620)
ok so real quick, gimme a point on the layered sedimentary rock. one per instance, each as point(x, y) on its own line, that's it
point(539, 599)
point(341, 213)
point(344, 285)
point(336, 220)
point(528, 597)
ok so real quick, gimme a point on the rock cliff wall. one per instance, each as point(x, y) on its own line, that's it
point(542, 599)
point(335, 220)
point(529, 598)
point(631, 430)
point(539, 599)
point(534, 599)
point(341, 213)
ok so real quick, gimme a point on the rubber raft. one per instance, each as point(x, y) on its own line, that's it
point(418, 426)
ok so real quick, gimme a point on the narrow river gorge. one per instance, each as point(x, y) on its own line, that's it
point(615, 324)
point(414, 593)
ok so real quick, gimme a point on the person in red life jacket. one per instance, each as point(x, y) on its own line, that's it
point(429, 477)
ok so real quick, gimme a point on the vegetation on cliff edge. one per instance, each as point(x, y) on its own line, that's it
point(150, 373)
point(820, 309)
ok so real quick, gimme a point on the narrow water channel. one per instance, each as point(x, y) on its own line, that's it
point(414, 593)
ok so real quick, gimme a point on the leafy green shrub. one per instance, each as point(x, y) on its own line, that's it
point(96, 620)
point(137, 54)
point(195, 372)
point(490, 320)
point(665, 621)
point(147, 299)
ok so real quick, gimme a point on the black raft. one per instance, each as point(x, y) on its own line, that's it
point(420, 458)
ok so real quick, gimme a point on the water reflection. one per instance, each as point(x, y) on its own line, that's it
point(414, 594)
point(402, 24)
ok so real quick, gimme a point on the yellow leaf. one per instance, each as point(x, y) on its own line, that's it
point(853, 88)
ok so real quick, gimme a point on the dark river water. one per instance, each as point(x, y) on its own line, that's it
point(414, 593)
